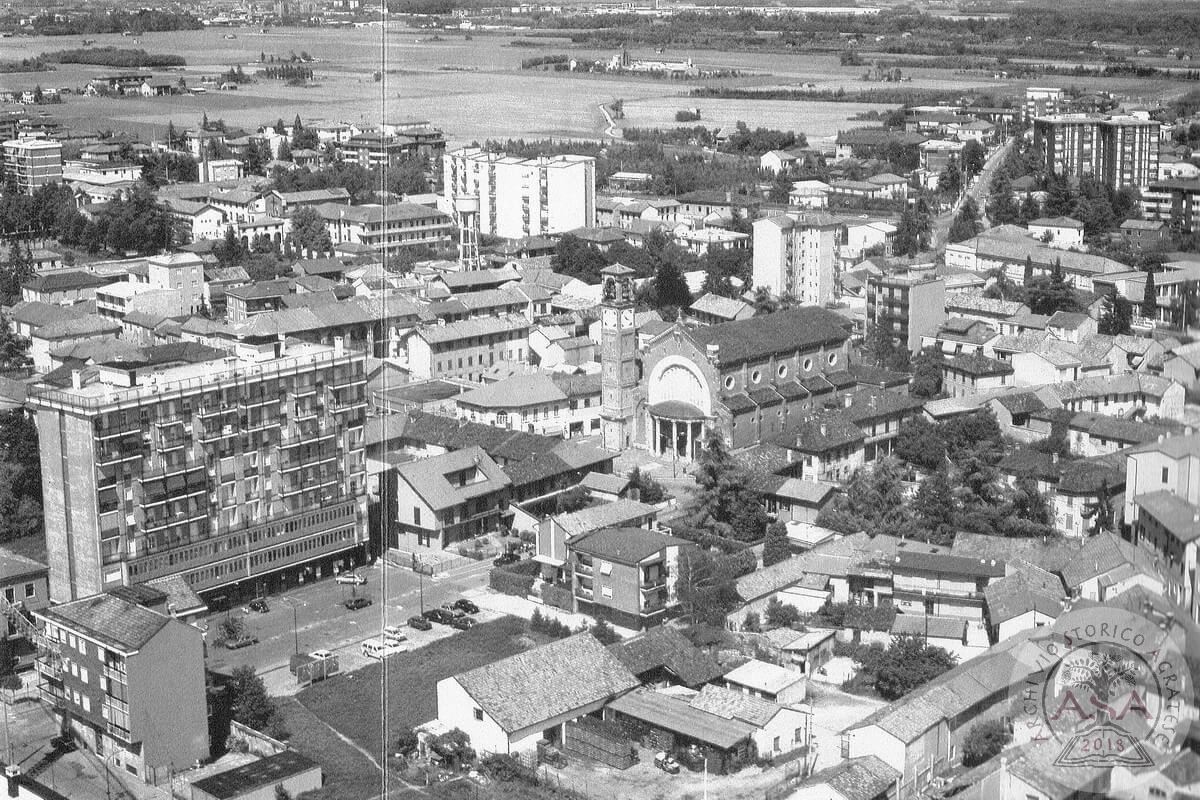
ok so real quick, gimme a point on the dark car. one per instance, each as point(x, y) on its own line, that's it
point(259, 604)
point(466, 606)
point(506, 558)
point(420, 623)
point(439, 615)
point(238, 644)
point(355, 603)
point(463, 623)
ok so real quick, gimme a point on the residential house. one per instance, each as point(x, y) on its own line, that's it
point(1060, 232)
point(625, 575)
point(1028, 598)
point(793, 499)
point(712, 309)
point(114, 670)
point(948, 633)
point(448, 498)
point(1090, 435)
point(63, 287)
point(937, 582)
point(809, 194)
point(662, 656)
point(908, 305)
point(771, 682)
point(465, 348)
point(1145, 234)
point(824, 446)
point(779, 728)
point(555, 405)
point(865, 778)
point(250, 299)
point(1106, 566)
point(567, 679)
point(554, 531)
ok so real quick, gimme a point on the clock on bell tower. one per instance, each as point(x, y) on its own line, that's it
point(618, 357)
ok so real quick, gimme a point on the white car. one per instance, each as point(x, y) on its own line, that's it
point(320, 655)
point(351, 577)
point(381, 650)
point(394, 634)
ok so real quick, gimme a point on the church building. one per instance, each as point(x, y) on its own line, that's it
point(750, 380)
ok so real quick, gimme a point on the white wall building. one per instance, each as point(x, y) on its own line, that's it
point(796, 254)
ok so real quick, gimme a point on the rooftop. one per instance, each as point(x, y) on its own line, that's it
point(617, 513)
point(623, 545)
point(800, 328)
point(1177, 515)
point(428, 477)
point(114, 622)
point(265, 772)
point(763, 676)
point(664, 647)
point(569, 674)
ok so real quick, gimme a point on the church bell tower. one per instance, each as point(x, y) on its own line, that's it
point(618, 357)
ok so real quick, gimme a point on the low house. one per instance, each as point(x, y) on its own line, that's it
point(557, 405)
point(554, 531)
point(712, 309)
point(662, 656)
point(449, 498)
point(1028, 598)
point(948, 633)
point(806, 581)
point(807, 651)
point(778, 729)
point(1060, 232)
point(1141, 234)
point(1107, 565)
point(768, 681)
point(975, 373)
point(793, 499)
point(825, 446)
point(63, 287)
point(562, 681)
point(865, 778)
point(932, 580)
point(262, 779)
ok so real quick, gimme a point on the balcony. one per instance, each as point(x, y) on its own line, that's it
point(584, 592)
point(49, 667)
point(582, 569)
point(120, 706)
point(56, 698)
point(113, 673)
point(117, 732)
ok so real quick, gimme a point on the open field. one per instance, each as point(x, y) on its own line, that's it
point(487, 95)
point(351, 703)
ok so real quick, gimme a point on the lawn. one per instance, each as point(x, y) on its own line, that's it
point(351, 703)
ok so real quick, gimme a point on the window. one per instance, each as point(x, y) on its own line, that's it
point(606, 591)
point(29, 590)
point(83, 674)
point(832, 358)
point(479, 714)
point(605, 567)
point(416, 515)
point(9, 594)
point(87, 703)
point(775, 744)
point(808, 365)
point(756, 376)
point(1166, 474)
point(729, 382)
point(782, 371)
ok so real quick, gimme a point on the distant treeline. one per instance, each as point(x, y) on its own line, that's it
point(114, 22)
point(544, 61)
point(24, 65)
point(882, 95)
point(114, 57)
point(287, 72)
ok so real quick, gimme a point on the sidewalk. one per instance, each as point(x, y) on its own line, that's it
point(524, 608)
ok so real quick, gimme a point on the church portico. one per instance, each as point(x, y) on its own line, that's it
point(677, 429)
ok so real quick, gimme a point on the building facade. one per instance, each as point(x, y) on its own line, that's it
point(521, 197)
point(1117, 150)
point(32, 163)
point(907, 304)
point(796, 254)
point(233, 472)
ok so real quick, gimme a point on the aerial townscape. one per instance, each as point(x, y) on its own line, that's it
point(639, 400)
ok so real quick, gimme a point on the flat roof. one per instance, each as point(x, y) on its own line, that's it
point(264, 772)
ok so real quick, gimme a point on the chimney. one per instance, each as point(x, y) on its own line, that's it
point(12, 775)
point(713, 351)
point(76, 379)
point(339, 345)
point(846, 400)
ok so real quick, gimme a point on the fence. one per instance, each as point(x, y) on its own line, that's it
point(256, 742)
point(600, 741)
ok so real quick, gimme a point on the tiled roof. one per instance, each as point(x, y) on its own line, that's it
point(665, 647)
point(1031, 588)
point(1021, 402)
point(1101, 554)
point(1056, 222)
point(13, 565)
point(470, 328)
point(977, 364)
point(617, 513)
point(601, 482)
point(974, 301)
point(763, 676)
point(518, 391)
point(118, 624)
point(822, 432)
point(948, 563)
point(929, 625)
point(731, 704)
point(623, 545)
point(829, 558)
point(87, 325)
point(530, 688)
point(668, 712)
point(427, 477)
point(66, 280)
point(864, 778)
point(1177, 515)
point(782, 332)
point(37, 313)
point(725, 307)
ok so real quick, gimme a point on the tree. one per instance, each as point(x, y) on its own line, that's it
point(909, 662)
point(934, 506)
point(973, 158)
point(1027, 276)
point(282, 793)
point(920, 443)
point(966, 223)
point(670, 288)
point(872, 501)
point(984, 741)
point(752, 622)
point(776, 548)
point(16, 270)
point(14, 348)
point(780, 614)
point(724, 499)
point(1117, 314)
point(571, 500)
point(309, 232)
point(250, 704)
point(172, 136)
point(1150, 298)
point(927, 373)
point(950, 181)
point(781, 187)
point(605, 633)
point(649, 490)
point(285, 151)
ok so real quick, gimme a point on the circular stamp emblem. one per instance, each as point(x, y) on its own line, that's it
point(1103, 688)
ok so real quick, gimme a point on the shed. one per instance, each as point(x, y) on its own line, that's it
point(257, 780)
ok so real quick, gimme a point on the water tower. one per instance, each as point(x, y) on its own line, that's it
point(466, 213)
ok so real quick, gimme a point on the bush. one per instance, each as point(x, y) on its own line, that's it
point(780, 614)
point(984, 741)
point(506, 769)
point(406, 741)
point(511, 581)
point(558, 597)
point(604, 632)
point(549, 626)
point(863, 618)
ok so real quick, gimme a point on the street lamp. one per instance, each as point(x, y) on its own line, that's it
point(295, 622)
point(705, 777)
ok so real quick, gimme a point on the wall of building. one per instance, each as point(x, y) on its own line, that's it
point(168, 704)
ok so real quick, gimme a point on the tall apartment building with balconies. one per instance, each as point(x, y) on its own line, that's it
point(237, 473)
point(128, 680)
point(521, 197)
point(1118, 150)
point(796, 254)
point(908, 304)
point(32, 163)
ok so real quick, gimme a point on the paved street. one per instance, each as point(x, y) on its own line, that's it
point(323, 622)
point(977, 190)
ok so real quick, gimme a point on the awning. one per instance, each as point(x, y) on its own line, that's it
point(548, 561)
point(677, 410)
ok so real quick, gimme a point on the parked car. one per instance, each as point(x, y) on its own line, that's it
point(506, 558)
point(666, 763)
point(439, 615)
point(394, 634)
point(455, 611)
point(320, 655)
point(420, 623)
point(466, 606)
point(355, 603)
point(237, 644)
point(463, 623)
point(351, 577)
point(258, 604)
point(375, 648)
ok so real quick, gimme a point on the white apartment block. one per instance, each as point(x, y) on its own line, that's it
point(33, 163)
point(521, 197)
point(796, 254)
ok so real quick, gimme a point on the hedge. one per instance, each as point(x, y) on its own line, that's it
point(558, 596)
point(515, 579)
